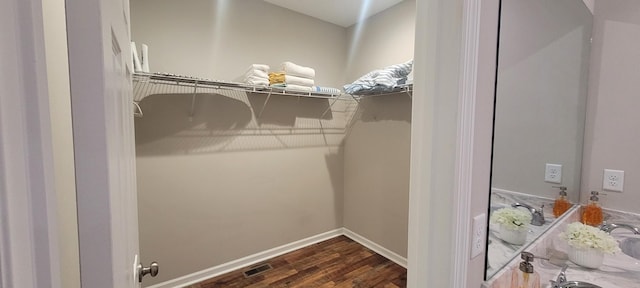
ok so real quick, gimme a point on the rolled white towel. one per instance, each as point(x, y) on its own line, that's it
point(293, 69)
point(262, 67)
point(257, 73)
point(295, 80)
point(258, 81)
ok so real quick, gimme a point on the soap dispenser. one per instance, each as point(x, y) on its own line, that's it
point(592, 213)
point(523, 276)
point(562, 204)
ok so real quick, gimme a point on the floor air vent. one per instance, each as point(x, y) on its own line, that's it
point(257, 270)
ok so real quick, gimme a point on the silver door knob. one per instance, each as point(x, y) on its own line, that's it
point(151, 270)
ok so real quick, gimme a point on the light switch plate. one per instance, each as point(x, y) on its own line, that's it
point(478, 239)
point(553, 173)
point(613, 180)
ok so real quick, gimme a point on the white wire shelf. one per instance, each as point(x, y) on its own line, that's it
point(401, 89)
point(148, 84)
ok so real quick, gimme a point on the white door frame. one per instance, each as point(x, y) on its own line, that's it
point(443, 138)
point(451, 139)
point(28, 230)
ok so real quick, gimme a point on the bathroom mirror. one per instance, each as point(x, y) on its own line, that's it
point(541, 92)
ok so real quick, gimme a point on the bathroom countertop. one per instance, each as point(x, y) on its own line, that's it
point(500, 252)
point(618, 270)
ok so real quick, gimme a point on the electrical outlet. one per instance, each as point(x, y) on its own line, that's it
point(613, 180)
point(553, 173)
point(478, 238)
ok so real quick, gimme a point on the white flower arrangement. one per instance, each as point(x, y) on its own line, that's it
point(583, 236)
point(511, 218)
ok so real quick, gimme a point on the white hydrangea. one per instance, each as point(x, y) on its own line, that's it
point(583, 236)
point(511, 218)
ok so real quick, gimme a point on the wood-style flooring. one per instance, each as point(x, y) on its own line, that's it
point(338, 262)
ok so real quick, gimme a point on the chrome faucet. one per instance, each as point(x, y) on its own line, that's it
point(562, 278)
point(613, 226)
point(538, 216)
point(561, 281)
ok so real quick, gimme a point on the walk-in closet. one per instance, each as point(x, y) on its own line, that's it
point(231, 174)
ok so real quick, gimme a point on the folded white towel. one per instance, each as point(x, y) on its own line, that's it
point(292, 69)
point(257, 73)
point(262, 67)
point(258, 81)
point(295, 80)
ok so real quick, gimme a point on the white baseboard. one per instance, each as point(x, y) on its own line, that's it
point(247, 261)
point(402, 261)
point(268, 254)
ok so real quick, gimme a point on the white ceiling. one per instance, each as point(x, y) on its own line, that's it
point(340, 12)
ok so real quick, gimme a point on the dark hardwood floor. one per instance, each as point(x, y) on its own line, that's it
point(338, 262)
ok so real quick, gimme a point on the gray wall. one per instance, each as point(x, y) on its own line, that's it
point(234, 184)
point(377, 154)
point(227, 183)
point(377, 149)
point(611, 138)
point(541, 94)
point(384, 39)
point(220, 39)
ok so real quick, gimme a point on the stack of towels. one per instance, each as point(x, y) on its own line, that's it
point(293, 77)
point(257, 75)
